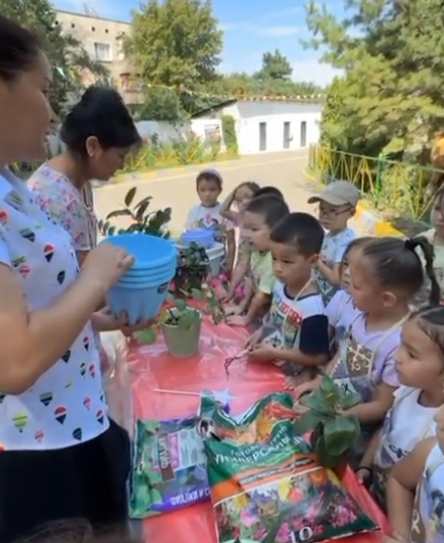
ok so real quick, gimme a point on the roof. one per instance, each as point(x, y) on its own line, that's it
point(216, 107)
point(92, 16)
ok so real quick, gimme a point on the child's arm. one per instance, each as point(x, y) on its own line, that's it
point(364, 470)
point(332, 275)
point(231, 249)
point(401, 485)
point(225, 208)
point(239, 272)
point(375, 410)
point(258, 302)
point(313, 344)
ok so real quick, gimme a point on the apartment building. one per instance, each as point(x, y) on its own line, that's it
point(102, 39)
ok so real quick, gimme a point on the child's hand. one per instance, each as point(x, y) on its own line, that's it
point(233, 310)
point(264, 352)
point(303, 388)
point(237, 320)
point(363, 474)
point(253, 340)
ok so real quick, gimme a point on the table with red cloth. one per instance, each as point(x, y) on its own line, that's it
point(151, 368)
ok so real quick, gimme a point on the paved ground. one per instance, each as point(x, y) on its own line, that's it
point(177, 189)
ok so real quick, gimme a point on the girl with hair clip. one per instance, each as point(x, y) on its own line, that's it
point(384, 274)
point(419, 363)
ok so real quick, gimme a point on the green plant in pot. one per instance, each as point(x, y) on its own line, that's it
point(181, 323)
point(334, 433)
point(193, 267)
point(141, 219)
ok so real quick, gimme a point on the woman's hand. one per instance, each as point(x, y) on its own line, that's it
point(105, 321)
point(105, 264)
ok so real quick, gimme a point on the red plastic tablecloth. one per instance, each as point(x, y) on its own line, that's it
point(152, 367)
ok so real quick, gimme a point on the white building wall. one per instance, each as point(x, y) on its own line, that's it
point(274, 117)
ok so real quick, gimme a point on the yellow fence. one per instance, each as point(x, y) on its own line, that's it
point(397, 187)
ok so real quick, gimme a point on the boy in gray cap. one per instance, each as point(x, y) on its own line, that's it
point(337, 204)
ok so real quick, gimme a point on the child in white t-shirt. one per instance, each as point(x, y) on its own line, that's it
point(341, 309)
point(337, 204)
point(420, 366)
point(207, 214)
point(294, 334)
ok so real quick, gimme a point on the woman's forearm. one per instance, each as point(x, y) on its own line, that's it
point(33, 341)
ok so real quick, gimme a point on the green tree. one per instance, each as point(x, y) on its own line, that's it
point(392, 54)
point(175, 43)
point(275, 66)
point(66, 54)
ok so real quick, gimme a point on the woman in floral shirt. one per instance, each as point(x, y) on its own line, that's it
point(98, 134)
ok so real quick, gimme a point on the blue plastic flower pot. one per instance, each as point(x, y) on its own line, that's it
point(150, 252)
point(202, 236)
point(148, 278)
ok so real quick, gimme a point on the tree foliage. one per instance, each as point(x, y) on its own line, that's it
point(275, 66)
point(391, 97)
point(66, 54)
point(175, 42)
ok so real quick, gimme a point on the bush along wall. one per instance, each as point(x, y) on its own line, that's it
point(229, 133)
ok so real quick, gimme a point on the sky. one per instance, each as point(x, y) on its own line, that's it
point(251, 28)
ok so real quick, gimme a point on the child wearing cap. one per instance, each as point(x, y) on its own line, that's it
point(337, 204)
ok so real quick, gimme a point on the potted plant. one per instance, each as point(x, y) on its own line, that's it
point(142, 220)
point(181, 323)
point(193, 267)
point(334, 434)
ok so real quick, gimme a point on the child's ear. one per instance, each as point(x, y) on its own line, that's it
point(388, 299)
point(352, 212)
point(313, 259)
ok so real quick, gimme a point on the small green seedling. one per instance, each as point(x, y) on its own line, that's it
point(184, 316)
point(334, 433)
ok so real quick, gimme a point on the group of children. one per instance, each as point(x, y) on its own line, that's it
point(364, 310)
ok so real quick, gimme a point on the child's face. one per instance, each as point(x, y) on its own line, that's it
point(208, 191)
point(334, 217)
point(345, 269)
point(366, 292)
point(290, 266)
point(256, 231)
point(437, 216)
point(419, 361)
point(242, 197)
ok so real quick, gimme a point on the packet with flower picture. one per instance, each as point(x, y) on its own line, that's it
point(274, 491)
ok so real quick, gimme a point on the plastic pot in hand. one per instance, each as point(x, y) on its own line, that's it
point(142, 295)
point(181, 341)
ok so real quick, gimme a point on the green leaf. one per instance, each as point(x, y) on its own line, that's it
point(348, 400)
point(325, 458)
point(180, 305)
point(119, 213)
point(129, 197)
point(329, 391)
point(315, 402)
point(307, 421)
point(197, 294)
point(146, 337)
point(340, 434)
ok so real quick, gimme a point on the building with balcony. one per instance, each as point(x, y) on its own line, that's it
point(102, 39)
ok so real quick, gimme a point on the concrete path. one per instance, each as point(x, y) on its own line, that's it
point(177, 188)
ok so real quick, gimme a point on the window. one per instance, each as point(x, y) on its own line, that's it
point(102, 52)
point(73, 25)
point(106, 31)
point(93, 28)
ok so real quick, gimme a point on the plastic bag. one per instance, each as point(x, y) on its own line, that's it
point(273, 490)
point(169, 469)
point(116, 379)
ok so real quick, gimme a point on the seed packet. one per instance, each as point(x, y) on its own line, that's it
point(276, 492)
point(169, 469)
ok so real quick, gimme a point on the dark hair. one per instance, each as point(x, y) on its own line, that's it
point(302, 231)
point(209, 175)
point(18, 49)
point(252, 185)
point(102, 113)
point(431, 322)
point(271, 208)
point(269, 191)
point(395, 263)
point(354, 244)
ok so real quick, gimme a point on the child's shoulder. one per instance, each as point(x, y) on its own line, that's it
point(429, 234)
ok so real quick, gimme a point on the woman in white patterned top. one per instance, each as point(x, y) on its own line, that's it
point(60, 456)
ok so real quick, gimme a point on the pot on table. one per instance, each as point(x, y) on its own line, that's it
point(182, 343)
